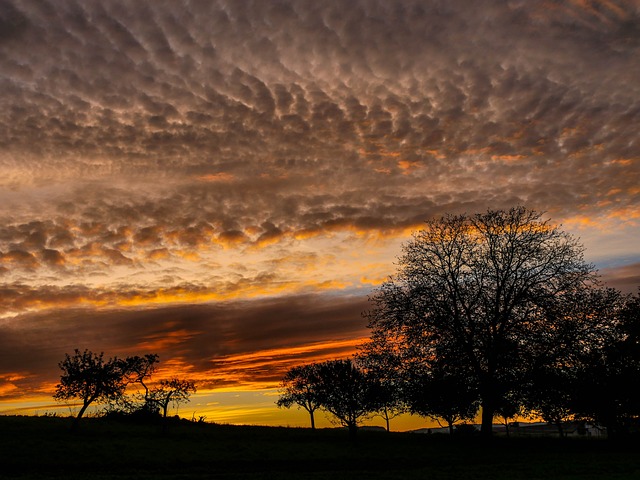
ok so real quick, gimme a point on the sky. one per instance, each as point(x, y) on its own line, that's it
point(224, 183)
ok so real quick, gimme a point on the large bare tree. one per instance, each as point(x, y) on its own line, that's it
point(483, 294)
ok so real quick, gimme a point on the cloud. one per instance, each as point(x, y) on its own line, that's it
point(231, 343)
point(153, 155)
point(246, 98)
point(624, 277)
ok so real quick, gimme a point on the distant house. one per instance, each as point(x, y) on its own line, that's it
point(570, 429)
point(541, 429)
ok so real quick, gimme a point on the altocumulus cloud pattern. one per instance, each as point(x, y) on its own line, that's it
point(155, 153)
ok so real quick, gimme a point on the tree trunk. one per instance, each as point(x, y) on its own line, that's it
point(313, 420)
point(488, 405)
point(486, 428)
point(386, 418)
point(165, 427)
point(353, 430)
point(451, 428)
point(76, 421)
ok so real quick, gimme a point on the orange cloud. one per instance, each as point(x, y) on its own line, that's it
point(265, 368)
point(159, 254)
point(316, 350)
point(19, 258)
point(373, 281)
point(623, 162)
point(581, 221)
point(233, 238)
point(21, 298)
point(508, 158)
point(168, 338)
point(217, 177)
point(407, 166)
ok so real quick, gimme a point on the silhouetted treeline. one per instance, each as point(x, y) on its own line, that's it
point(495, 313)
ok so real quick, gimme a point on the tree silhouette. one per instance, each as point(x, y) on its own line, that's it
point(551, 385)
point(605, 382)
point(386, 401)
point(88, 377)
point(139, 369)
point(552, 395)
point(299, 387)
point(173, 391)
point(345, 392)
point(511, 406)
point(384, 368)
point(441, 394)
point(476, 292)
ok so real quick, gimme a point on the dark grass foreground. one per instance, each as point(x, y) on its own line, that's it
point(44, 447)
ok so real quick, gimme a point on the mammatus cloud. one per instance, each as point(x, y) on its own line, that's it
point(153, 153)
point(407, 108)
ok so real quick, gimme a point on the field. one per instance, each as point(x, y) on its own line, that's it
point(44, 447)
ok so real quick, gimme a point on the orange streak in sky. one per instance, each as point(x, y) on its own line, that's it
point(166, 339)
point(217, 177)
point(256, 370)
point(270, 354)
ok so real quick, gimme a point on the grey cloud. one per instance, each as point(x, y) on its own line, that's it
point(321, 115)
point(116, 231)
point(135, 132)
point(19, 259)
point(625, 277)
point(17, 297)
point(12, 22)
point(202, 337)
point(52, 257)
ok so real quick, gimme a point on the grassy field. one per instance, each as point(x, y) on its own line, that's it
point(44, 447)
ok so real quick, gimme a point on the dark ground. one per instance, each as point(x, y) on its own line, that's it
point(44, 447)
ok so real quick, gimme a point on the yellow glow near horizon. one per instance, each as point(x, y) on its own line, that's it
point(224, 406)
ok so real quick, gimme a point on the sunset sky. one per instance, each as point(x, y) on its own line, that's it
point(225, 182)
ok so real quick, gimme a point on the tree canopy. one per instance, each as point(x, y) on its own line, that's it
point(170, 391)
point(485, 295)
point(299, 387)
point(346, 392)
point(88, 377)
point(338, 387)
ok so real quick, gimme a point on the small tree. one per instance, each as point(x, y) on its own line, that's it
point(386, 402)
point(511, 407)
point(140, 371)
point(381, 363)
point(439, 394)
point(88, 377)
point(552, 395)
point(137, 370)
point(345, 392)
point(173, 391)
point(140, 368)
point(299, 387)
